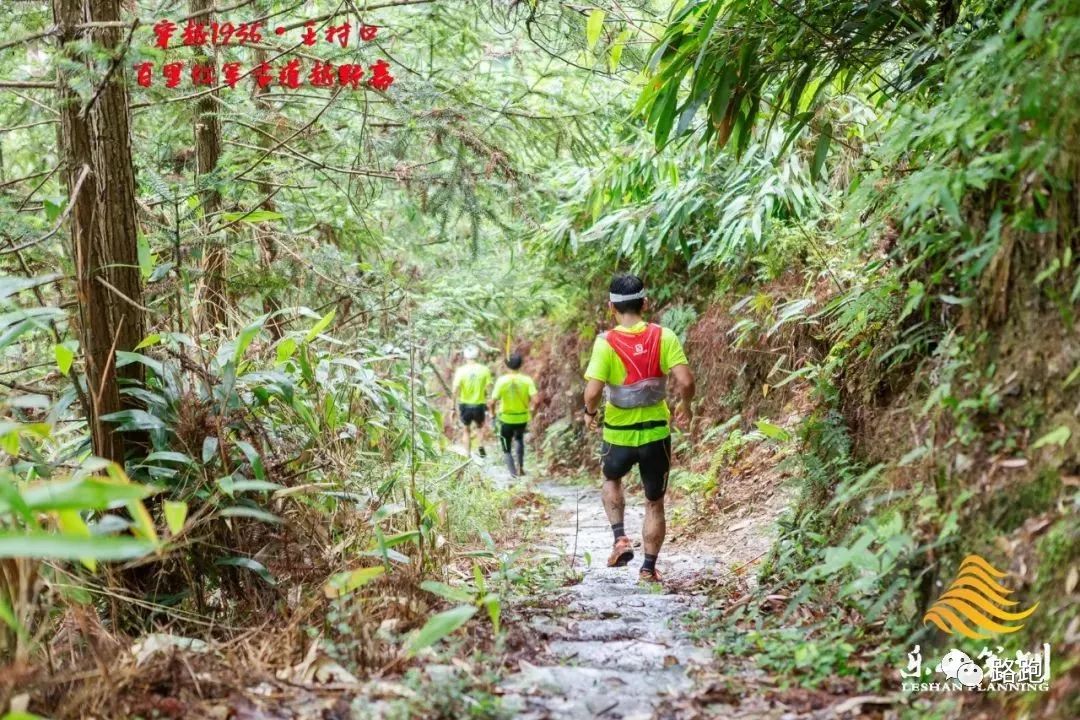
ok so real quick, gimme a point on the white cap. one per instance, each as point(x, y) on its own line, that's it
point(470, 352)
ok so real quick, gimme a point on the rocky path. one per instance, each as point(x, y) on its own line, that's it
point(612, 647)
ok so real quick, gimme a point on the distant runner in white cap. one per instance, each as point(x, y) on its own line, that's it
point(471, 383)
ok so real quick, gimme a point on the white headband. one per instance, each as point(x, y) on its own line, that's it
point(615, 297)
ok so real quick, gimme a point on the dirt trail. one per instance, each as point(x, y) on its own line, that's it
point(616, 648)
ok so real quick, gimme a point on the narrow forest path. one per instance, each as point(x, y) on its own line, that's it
point(612, 647)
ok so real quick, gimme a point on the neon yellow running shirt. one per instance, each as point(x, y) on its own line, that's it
point(471, 382)
point(513, 392)
point(606, 367)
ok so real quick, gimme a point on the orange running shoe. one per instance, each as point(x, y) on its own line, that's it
point(652, 576)
point(622, 552)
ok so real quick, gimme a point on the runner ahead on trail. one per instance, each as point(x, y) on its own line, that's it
point(515, 394)
point(471, 383)
point(633, 362)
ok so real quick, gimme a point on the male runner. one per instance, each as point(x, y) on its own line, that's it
point(471, 383)
point(515, 394)
point(633, 362)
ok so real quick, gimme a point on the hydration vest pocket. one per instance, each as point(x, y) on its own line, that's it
point(643, 393)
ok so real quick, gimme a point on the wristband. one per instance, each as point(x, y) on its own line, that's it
point(585, 409)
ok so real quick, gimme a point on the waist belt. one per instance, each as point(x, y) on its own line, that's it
point(646, 425)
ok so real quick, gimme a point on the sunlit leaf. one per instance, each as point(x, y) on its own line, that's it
point(344, 583)
point(1058, 436)
point(594, 25)
point(64, 357)
point(46, 546)
point(438, 627)
point(175, 515)
point(320, 326)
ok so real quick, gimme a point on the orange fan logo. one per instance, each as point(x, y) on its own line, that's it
point(976, 599)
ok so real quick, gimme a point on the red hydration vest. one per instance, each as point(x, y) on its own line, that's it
point(639, 352)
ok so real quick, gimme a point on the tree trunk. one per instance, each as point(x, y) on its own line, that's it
point(266, 235)
point(211, 301)
point(101, 185)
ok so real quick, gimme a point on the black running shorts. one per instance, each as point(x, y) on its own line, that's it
point(509, 431)
point(472, 414)
point(653, 461)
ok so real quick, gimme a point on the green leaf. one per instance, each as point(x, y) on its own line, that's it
point(71, 524)
point(667, 101)
point(53, 208)
point(176, 512)
point(47, 546)
point(821, 151)
point(249, 512)
point(92, 493)
point(344, 583)
point(248, 334)
point(1060, 436)
point(170, 456)
point(494, 608)
point(64, 358)
point(285, 349)
point(448, 592)
point(254, 459)
point(146, 257)
point(209, 448)
point(320, 326)
point(230, 486)
point(253, 216)
point(134, 420)
point(593, 27)
point(7, 615)
point(774, 432)
point(151, 339)
point(253, 565)
point(615, 55)
point(439, 626)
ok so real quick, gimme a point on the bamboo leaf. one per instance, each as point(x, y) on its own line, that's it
point(64, 357)
point(47, 546)
point(1058, 436)
point(594, 25)
point(448, 592)
point(820, 151)
point(249, 564)
point(175, 515)
point(318, 327)
point(344, 583)
point(438, 627)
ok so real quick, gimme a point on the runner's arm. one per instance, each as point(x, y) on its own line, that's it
point(684, 382)
point(685, 387)
point(594, 390)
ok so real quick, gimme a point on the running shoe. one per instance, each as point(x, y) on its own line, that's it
point(652, 576)
point(622, 552)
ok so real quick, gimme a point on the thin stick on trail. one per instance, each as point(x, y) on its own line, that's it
point(577, 531)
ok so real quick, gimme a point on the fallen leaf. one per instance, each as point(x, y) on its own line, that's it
point(1072, 579)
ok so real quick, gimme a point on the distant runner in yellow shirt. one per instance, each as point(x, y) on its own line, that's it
point(515, 395)
point(471, 383)
point(633, 361)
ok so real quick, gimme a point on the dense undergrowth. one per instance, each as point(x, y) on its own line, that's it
point(917, 306)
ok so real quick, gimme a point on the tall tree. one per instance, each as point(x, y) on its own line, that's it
point(211, 299)
point(266, 235)
point(100, 177)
